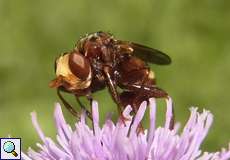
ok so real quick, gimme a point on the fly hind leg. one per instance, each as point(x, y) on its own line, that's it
point(139, 93)
point(132, 98)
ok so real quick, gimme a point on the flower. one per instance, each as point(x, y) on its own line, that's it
point(119, 141)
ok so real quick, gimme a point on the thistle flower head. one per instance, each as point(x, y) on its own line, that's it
point(116, 141)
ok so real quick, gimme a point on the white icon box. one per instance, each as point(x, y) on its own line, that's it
point(10, 148)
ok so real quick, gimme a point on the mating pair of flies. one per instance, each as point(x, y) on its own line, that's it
point(98, 61)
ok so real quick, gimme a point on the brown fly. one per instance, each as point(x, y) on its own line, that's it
point(98, 61)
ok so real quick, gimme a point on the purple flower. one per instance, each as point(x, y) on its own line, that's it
point(116, 141)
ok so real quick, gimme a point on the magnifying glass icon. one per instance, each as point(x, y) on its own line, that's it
point(9, 147)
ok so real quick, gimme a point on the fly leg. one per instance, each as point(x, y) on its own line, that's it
point(150, 90)
point(68, 106)
point(113, 91)
point(132, 98)
point(71, 109)
point(147, 91)
point(88, 113)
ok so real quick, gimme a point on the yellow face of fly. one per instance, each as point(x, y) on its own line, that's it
point(63, 70)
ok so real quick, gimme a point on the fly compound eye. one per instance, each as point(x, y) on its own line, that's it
point(79, 66)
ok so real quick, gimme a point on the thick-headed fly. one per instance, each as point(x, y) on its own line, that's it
point(98, 61)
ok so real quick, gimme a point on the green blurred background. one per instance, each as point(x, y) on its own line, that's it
point(194, 33)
